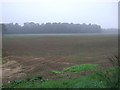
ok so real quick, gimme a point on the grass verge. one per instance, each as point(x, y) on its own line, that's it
point(82, 68)
point(55, 72)
point(105, 79)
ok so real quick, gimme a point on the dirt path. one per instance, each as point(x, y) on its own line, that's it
point(22, 67)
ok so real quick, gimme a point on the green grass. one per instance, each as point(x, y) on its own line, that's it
point(57, 34)
point(110, 77)
point(49, 84)
point(81, 68)
point(61, 76)
point(89, 81)
point(55, 72)
point(81, 82)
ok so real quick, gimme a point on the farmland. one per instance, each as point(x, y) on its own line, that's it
point(28, 55)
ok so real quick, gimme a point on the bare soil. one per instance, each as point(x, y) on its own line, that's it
point(38, 55)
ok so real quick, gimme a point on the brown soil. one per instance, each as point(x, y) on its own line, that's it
point(22, 67)
point(38, 55)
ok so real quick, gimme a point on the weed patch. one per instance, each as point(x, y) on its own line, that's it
point(82, 68)
point(55, 72)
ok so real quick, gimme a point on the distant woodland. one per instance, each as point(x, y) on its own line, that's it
point(35, 28)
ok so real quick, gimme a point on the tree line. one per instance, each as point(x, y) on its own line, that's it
point(36, 28)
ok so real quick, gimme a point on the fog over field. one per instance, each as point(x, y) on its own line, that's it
point(100, 12)
point(59, 44)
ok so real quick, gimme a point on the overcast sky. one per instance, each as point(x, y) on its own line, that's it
point(101, 12)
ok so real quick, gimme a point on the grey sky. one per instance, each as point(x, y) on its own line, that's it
point(75, 11)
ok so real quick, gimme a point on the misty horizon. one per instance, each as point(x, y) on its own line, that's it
point(35, 28)
point(59, 43)
point(54, 23)
point(101, 13)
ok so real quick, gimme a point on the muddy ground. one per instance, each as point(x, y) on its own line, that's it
point(28, 56)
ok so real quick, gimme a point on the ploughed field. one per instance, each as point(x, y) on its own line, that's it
point(29, 55)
